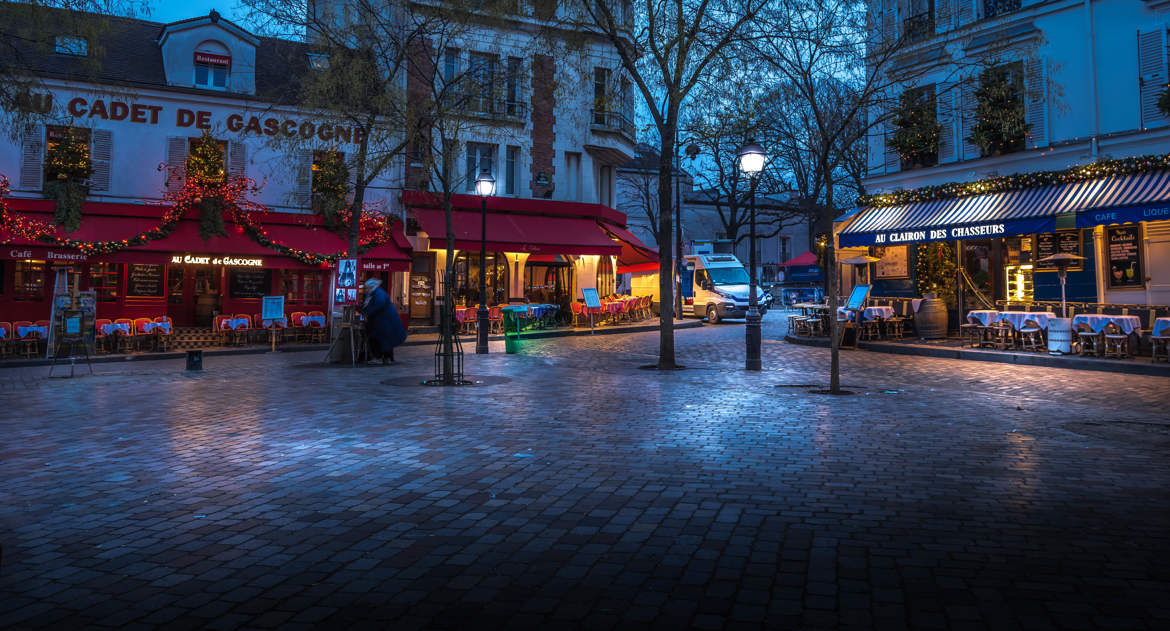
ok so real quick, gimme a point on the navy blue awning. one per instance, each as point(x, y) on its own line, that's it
point(1140, 197)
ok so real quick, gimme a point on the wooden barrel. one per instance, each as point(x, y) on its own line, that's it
point(931, 319)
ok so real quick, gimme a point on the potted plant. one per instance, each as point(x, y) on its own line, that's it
point(917, 130)
point(67, 171)
point(935, 271)
point(1000, 117)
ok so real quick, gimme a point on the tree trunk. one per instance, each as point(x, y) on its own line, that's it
point(666, 360)
point(447, 315)
point(359, 196)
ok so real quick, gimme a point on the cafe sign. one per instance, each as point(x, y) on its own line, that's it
point(230, 261)
point(20, 254)
point(986, 230)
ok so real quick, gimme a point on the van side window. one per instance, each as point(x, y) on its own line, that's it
point(701, 278)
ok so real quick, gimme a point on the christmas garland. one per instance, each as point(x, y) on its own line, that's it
point(232, 191)
point(1019, 181)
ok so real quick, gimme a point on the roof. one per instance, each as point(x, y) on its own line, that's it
point(130, 54)
point(712, 196)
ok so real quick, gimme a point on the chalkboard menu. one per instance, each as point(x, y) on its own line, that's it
point(144, 281)
point(1125, 256)
point(249, 283)
point(1066, 241)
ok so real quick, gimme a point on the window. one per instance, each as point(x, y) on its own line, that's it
point(1000, 116)
point(916, 128)
point(480, 157)
point(573, 176)
point(605, 278)
point(450, 65)
point(66, 153)
point(28, 280)
point(304, 287)
point(605, 185)
point(512, 89)
point(71, 45)
point(318, 61)
point(212, 65)
point(175, 284)
point(601, 104)
point(467, 278)
point(510, 170)
point(482, 70)
point(104, 279)
point(994, 8)
point(920, 23)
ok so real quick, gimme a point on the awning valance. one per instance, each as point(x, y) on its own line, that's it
point(1113, 199)
point(636, 256)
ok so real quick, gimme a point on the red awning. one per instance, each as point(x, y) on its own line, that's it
point(636, 256)
point(111, 222)
point(514, 232)
point(808, 258)
point(426, 199)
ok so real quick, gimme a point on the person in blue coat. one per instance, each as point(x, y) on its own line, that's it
point(384, 328)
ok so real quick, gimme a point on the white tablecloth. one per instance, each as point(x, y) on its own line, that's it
point(1097, 322)
point(983, 316)
point(870, 313)
point(1162, 326)
point(1018, 318)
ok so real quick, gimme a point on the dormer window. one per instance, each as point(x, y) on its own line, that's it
point(71, 45)
point(318, 61)
point(213, 66)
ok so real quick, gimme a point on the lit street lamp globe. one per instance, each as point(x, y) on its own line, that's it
point(751, 158)
point(485, 184)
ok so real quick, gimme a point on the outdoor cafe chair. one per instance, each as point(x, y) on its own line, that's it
point(316, 330)
point(1031, 336)
point(1089, 341)
point(1116, 342)
point(495, 320)
point(973, 333)
point(123, 341)
point(138, 331)
point(1001, 335)
point(26, 345)
point(102, 340)
point(296, 326)
point(223, 330)
point(6, 341)
point(1160, 346)
point(163, 338)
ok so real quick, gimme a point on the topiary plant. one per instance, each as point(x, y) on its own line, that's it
point(1000, 117)
point(205, 172)
point(917, 132)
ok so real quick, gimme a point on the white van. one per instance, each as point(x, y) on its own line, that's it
point(715, 286)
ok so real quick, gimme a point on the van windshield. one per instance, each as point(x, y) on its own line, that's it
point(728, 275)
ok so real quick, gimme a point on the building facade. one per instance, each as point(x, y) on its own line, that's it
point(1030, 92)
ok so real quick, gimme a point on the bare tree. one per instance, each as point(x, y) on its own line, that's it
point(667, 49)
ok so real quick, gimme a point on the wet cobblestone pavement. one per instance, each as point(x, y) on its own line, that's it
point(573, 490)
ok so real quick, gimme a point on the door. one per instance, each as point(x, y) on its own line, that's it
point(422, 297)
point(1158, 263)
point(687, 289)
point(180, 295)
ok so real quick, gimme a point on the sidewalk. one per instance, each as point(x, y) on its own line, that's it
point(951, 348)
point(419, 339)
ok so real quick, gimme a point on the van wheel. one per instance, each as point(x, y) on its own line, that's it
point(712, 314)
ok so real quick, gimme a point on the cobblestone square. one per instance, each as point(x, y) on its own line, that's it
point(572, 489)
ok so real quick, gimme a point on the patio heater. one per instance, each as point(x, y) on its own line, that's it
point(485, 187)
point(1062, 261)
point(1060, 329)
point(751, 162)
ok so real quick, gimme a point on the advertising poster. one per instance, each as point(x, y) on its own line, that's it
point(1124, 246)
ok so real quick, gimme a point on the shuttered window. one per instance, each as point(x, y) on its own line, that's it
point(32, 157)
point(948, 151)
point(1036, 102)
point(1152, 76)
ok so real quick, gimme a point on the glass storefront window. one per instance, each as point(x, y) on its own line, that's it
point(549, 284)
point(466, 290)
point(605, 279)
point(302, 286)
point(28, 281)
point(104, 280)
point(175, 285)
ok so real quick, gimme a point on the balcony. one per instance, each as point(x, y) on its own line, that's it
point(920, 27)
point(996, 8)
point(476, 104)
point(612, 122)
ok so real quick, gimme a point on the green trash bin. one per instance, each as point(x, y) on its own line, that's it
point(511, 329)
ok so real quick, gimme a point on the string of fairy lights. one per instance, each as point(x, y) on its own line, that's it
point(1019, 181)
point(375, 228)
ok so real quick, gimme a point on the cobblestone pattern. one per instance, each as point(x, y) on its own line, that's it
point(586, 493)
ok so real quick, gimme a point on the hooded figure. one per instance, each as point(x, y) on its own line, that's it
point(383, 326)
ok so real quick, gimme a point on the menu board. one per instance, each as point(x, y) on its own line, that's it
point(893, 263)
point(249, 283)
point(144, 281)
point(422, 293)
point(1066, 241)
point(1125, 258)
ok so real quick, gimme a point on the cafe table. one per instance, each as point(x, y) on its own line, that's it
point(869, 313)
point(150, 327)
point(1097, 322)
point(986, 317)
point(1018, 318)
point(1161, 327)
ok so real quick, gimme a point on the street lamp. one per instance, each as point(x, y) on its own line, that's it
point(485, 186)
point(751, 162)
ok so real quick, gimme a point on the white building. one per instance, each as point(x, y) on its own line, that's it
point(1089, 75)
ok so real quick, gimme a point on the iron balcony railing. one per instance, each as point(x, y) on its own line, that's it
point(994, 8)
point(919, 27)
point(605, 120)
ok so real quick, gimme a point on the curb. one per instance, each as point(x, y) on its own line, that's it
point(1072, 362)
point(297, 348)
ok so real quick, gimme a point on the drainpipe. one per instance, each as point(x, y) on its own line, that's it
point(1093, 78)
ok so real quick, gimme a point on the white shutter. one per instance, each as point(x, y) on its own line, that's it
point(876, 156)
point(1036, 102)
point(944, 11)
point(303, 193)
point(944, 95)
point(101, 141)
point(892, 160)
point(890, 21)
point(176, 162)
point(967, 118)
point(237, 159)
point(1152, 76)
point(32, 157)
point(965, 12)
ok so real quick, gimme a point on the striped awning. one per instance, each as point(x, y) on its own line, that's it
point(1113, 199)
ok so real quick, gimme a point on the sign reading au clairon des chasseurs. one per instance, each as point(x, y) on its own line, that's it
point(948, 233)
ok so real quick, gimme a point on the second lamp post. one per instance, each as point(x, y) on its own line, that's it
point(485, 187)
point(751, 162)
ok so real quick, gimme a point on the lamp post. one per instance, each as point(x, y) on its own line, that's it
point(485, 186)
point(751, 162)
